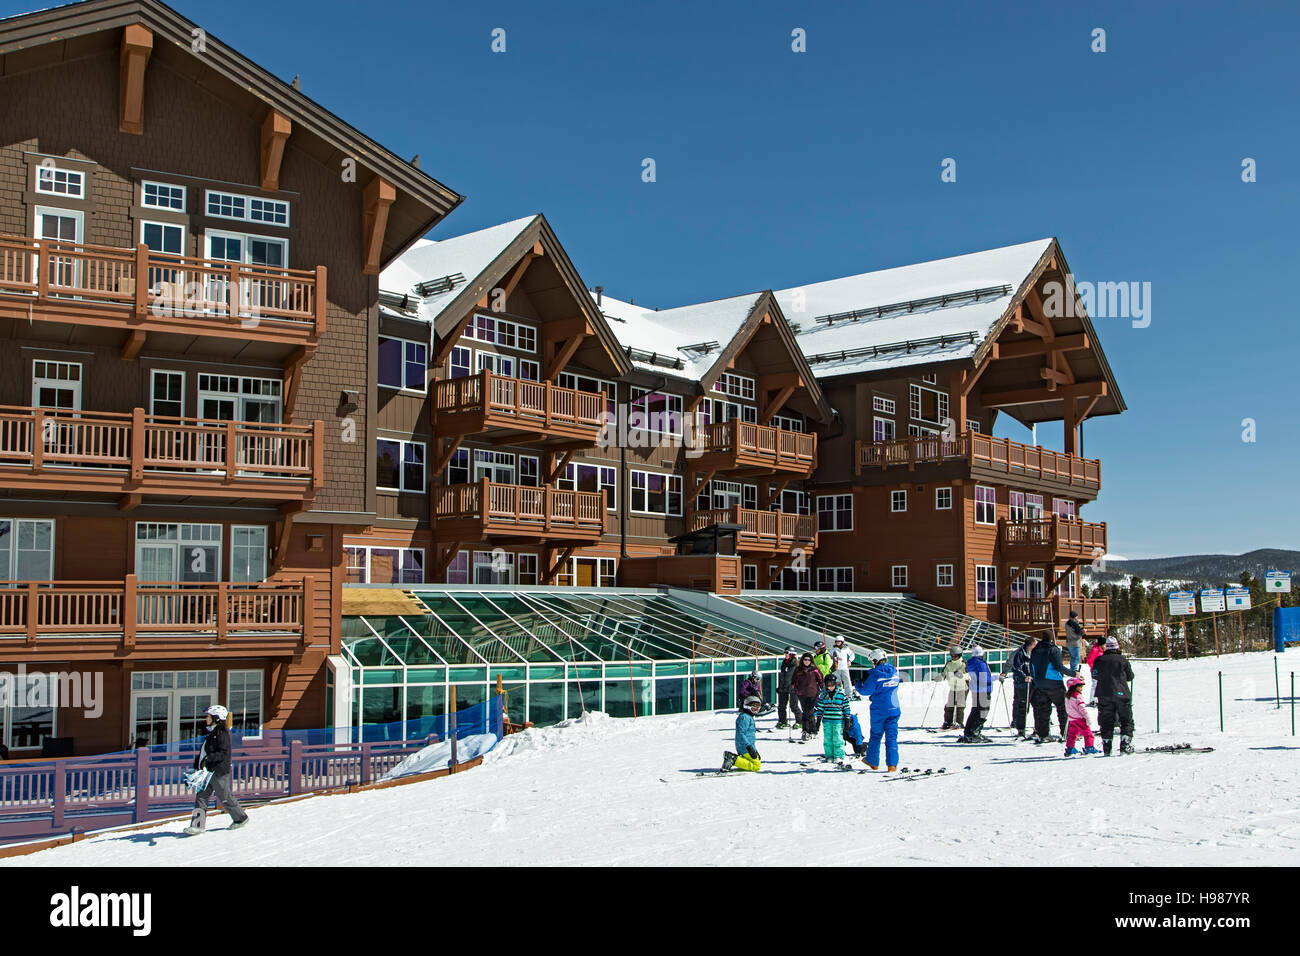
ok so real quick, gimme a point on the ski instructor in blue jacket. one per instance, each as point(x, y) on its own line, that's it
point(882, 688)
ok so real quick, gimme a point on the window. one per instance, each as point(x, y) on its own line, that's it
point(530, 472)
point(167, 393)
point(230, 398)
point(590, 478)
point(943, 499)
point(881, 404)
point(503, 332)
point(986, 584)
point(526, 568)
point(1069, 587)
point(655, 413)
point(494, 567)
point(656, 494)
point(256, 251)
point(834, 579)
point(244, 701)
point(1016, 505)
point(834, 512)
point(587, 573)
point(931, 377)
point(56, 384)
point(943, 575)
point(1033, 506)
point(1064, 508)
point(985, 505)
point(882, 429)
point(749, 577)
point(794, 503)
point(735, 386)
point(972, 425)
point(162, 196)
point(166, 237)
point(788, 423)
point(928, 404)
point(458, 569)
point(727, 494)
point(384, 565)
point(177, 552)
point(248, 552)
point(919, 431)
point(60, 182)
point(26, 714)
point(898, 575)
point(399, 465)
point(1032, 585)
point(790, 579)
point(724, 411)
point(26, 549)
point(273, 212)
point(898, 500)
point(402, 364)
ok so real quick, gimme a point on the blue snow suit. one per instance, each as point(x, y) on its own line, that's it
point(853, 732)
point(981, 681)
point(882, 687)
point(746, 733)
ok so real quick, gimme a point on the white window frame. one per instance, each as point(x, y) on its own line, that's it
point(161, 187)
point(943, 576)
point(33, 677)
point(735, 385)
point(885, 428)
point(367, 553)
point(643, 492)
point(507, 573)
point(1015, 505)
point(15, 533)
point(47, 181)
point(401, 465)
point(171, 374)
point(145, 223)
point(245, 247)
point(266, 550)
point(663, 424)
point(261, 699)
point(788, 423)
point(424, 379)
point(517, 331)
point(248, 208)
point(749, 577)
point(895, 500)
point(830, 579)
point(939, 495)
point(916, 406)
point(883, 405)
point(182, 535)
point(834, 511)
point(526, 568)
point(991, 505)
point(568, 480)
point(989, 573)
point(895, 579)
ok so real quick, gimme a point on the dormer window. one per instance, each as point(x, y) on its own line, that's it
point(54, 181)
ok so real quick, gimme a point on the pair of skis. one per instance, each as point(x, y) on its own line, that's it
point(919, 773)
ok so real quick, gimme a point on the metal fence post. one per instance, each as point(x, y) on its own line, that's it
point(141, 785)
point(365, 763)
point(60, 785)
point(295, 767)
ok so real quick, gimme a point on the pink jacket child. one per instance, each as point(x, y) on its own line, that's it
point(1078, 713)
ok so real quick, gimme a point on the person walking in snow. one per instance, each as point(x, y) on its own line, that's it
point(785, 696)
point(882, 687)
point(1048, 673)
point(806, 681)
point(1074, 639)
point(832, 708)
point(980, 681)
point(1078, 711)
point(1094, 653)
point(1114, 697)
point(821, 658)
point(842, 660)
point(214, 756)
point(954, 675)
point(1019, 670)
point(746, 756)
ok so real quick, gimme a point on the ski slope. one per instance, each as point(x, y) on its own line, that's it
point(623, 792)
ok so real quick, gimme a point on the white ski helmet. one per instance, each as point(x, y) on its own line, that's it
point(752, 703)
point(977, 651)
point(878, 655)
point(217, 713)
point(839, 639)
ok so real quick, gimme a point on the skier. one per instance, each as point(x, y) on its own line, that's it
point(1114, 697)
point(882, 687)
point(784, 695)
point(832, 708)
point(1074, 638)
point(751, 687)
point(981, 687)
point(842, 660)
point(807, 684)
point(853, 734)
point(821, 658)
point(1078, 712)
point(1098, 648)
point(214, 756)
point(1046, 670)
point(1018, 668)
point(954, 674)
point(745, 757)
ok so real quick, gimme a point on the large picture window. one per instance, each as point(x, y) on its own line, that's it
point(177, 552)
point(835, 512)
point(928, 404)
point(656, 494)
point(403, 364)
point(503, 332)
point(384, 565)
point(26, 549)
point(834, 579)
point(655, 413)
point(985, 505)
point(399, 465)
point(579, 477)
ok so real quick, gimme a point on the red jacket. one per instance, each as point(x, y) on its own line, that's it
point(1095, 652)
point(807, 681)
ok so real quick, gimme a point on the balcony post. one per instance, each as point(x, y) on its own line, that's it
point(484, 505)
point(317, 453)
point(321, 302)
point(308, 608)
point(223, 610)
point(33, 611)
point(43, 264)
point(130, 610)
point(548, 506)
point(141, 280)
point(234, 295)
point(232, 452)
point(38, 440)
point(137, 445)
point(546, 404)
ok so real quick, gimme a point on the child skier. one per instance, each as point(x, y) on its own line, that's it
point(853, 734)
point(832, 708)
point(1078, 711)
point(745, 757)
point(882, 688)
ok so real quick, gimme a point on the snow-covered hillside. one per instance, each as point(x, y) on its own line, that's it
point(610, 791)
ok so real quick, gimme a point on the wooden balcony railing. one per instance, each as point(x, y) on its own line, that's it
point(763, 530)
point(498, 400)
point(36, 609)
point(1055, 536)
point(75, 282)
point(1094, 613)
point(745, 444)
point(520, 509)
point(120, 452)
point(992, 454)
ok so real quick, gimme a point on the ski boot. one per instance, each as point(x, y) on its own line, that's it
point(1126, 745)
point(1071, 751)
point(192, 831)
point(1037, 739)
point(1090, 750)
point(872, 766)
point(782, 726)
point(981, 739)
point(236, 826)
point(728, 760)
point(892, 769)
point(1105, 747)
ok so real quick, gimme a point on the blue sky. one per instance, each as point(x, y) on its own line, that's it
point(776, 168)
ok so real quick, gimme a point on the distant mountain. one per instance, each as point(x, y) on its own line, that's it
point(1196, 569)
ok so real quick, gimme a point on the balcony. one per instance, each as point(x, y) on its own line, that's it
point(498, 404)
point(737, 446)
point(487, 509)
point(42, 280)
point(139, 454)
point(986, 458)
point(766, 532)
point(1052, 539)
point(1038, 613)
point(82, 620)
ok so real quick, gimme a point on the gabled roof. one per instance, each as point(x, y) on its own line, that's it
point(474, 264)
point(46, 37)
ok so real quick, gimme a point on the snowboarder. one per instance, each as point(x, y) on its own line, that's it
point(214, 757)
point(980, 680)
point(821, 658)
point(1018, 668)
point(842, 660)
point(1074, 639)
point(785, 696)
point(882, 687)
point(1098, 648)
point(1078, 711)
point(745, 757)
point(954, 674)
point(1046, 671)
point(1114, 697)
point(807, 685)
point(832, 708)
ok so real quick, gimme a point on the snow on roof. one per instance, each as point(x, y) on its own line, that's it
point(670, 333)
point(431, 259)
point(959, 327)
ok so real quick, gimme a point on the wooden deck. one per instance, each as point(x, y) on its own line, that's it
point(765, 532)
point(491, 403)
point(488, 509)
point(737, 446)
point(987, 457)
point(1052, 539)
point(1037, 614)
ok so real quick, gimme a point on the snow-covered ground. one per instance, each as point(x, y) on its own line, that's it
point(610, 791)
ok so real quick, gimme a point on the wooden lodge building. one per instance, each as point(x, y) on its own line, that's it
point(237, 379)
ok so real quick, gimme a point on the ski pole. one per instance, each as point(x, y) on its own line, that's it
point(936, 687)
point(1220, 701)
point(1277, 688)
point(1293, 703)
point(1157, 700)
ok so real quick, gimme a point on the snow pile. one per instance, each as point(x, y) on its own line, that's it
point(623, 791)
point(438, 756)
